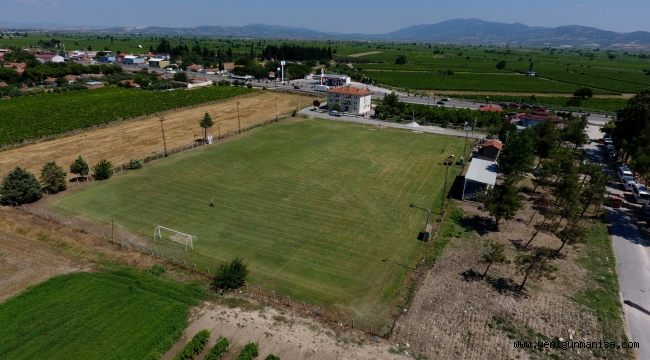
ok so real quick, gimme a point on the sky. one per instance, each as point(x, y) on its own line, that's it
point(344, 16)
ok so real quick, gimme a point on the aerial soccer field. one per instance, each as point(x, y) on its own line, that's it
point(318, 209)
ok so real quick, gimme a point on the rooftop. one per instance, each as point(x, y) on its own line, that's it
point(495, 143)
point(349, 90)
point(482, 171)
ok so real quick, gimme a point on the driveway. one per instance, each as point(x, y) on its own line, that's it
point(319, 114)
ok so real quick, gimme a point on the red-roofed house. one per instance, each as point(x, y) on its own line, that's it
point(491, 108)
point(194, 68)
point(490, 149)
point(350, 99)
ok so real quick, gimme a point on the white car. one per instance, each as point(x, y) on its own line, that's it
point(624, 172)
point(641, 194)
point(628, 183)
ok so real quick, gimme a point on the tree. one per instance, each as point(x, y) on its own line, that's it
point(336, 107)
point(79, 167)
point(103, 170)
point(180, 76)
point(631, 132)
point(400, 60)
point(316, 104)
point(20, 187)
point(501, 65)
point(231, 275)
point(572, 233)
point(493, 253)
point(53, 178)
point(583, 93)
point(206, 123)
point(502, 202)
point(574, 131)
point(535, 265)
point(593, 192)
point(517, 156)
point(547, 139)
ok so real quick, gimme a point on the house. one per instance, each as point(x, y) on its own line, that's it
point(3, 52)
point(535, 118)
point(106, 59)
point(194, 68)
point(19, 67)
point(3, 84)
point(491, 108)
point(490, 149)
point(49, 57)
point(350, 99)
point(71, 78)
point(132, 60)
point(50, 81)
point(91, 85)
point(332, 79)
point(158, 63)
point(480, 177)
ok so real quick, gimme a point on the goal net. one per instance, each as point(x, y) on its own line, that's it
point(162, 233)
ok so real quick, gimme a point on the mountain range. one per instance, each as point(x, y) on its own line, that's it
point(456, 31)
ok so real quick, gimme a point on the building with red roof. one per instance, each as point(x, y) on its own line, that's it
point(490, 149)
point(350, 99)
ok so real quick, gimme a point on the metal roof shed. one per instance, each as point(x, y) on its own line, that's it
point(481, 176)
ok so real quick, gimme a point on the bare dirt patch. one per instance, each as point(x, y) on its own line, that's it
point(281, 333)
point(364, 54)
point(453, 316)
point(140, 137)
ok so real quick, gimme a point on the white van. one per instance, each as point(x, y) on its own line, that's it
point(641, 194)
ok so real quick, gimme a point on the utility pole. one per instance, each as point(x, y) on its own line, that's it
point(238, 121)
point(162, 128)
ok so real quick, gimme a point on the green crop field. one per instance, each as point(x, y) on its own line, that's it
point(318, 209)
point(42, 115)
point(113, 315)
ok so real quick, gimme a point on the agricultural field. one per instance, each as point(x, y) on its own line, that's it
point(122, 314)
point(319, 210)
point(32, 117)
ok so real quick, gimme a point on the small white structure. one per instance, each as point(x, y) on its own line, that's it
point(350, 99)
point(133, 60)
point(481, 176)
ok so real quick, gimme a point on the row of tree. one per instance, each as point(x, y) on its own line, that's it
point(296, 53)
point(631, 133)
point(392, 109)
point(22, 187)
point(565, 187)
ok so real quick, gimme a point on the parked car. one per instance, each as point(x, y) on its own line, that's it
point(441, 103)
point(296, 87)
point(624, 172)
point(628, 183)
point(644, 214)
point(641, 194)
point(335, 113)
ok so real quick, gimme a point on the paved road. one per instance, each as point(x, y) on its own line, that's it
point(632, 252)
point(362, 120)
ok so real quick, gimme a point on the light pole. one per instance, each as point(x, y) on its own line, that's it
point(426, 233)
point(238, 120)
point(426, 225)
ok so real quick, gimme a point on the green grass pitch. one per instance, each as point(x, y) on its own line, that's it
point(121, 314)
point(318, 209)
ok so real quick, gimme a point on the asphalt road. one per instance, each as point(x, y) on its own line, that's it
point(632, 252)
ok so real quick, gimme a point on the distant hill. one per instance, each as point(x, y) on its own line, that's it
point(457, 31)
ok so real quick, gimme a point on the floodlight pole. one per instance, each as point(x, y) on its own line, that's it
point(238, 121)
point(162, 128)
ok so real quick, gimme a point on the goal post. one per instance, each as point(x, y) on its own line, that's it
point(162, 233)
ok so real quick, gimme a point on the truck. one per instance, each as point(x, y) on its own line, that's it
point(322, 87)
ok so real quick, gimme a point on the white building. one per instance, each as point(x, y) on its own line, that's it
point(350, 99)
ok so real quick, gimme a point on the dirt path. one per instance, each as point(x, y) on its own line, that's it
point(282, 334)
point(364, 54)
point(525, 94)
point(124, 141)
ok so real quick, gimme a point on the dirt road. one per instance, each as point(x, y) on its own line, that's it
point(137, 138)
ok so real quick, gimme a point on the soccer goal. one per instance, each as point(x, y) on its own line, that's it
point(162, 233)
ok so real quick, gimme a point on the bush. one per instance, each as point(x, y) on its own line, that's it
point(249, 85)
point(180, 76)
point(218, 350)
point(195, 346)
point(501, 65)
point(134, 164)
point(79, 167)
point(53, 178)
point(231, 275)
point(103, 170)
point(20, 187)
point(583, 93)
point(401, 60)
point(272, 357)
point(250, 352)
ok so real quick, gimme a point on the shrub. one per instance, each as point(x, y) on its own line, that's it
point(272, 357)
point(231, 275)
point(53, 178)
point(249, 352)
point(249, 85)
point(218, 350)
point(79, 167)
point(103, 170)
point(134, 164)
point(20, 187)
point(583, 93)
point(195, 346)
